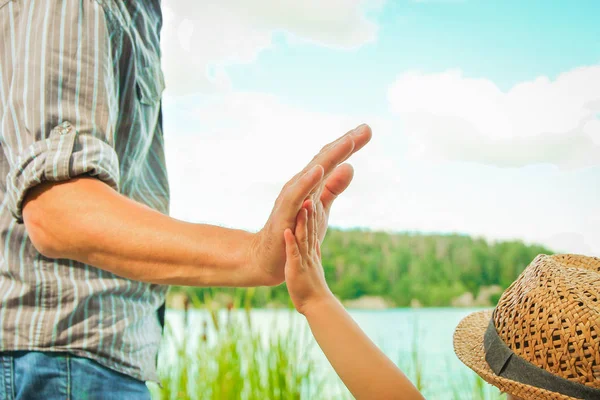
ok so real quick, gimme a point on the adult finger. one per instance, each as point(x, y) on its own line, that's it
point(334, 156)
point(359, 138)
point(303, 184)
point(335, 185)
point(339, 150)
point(293, 196)
point(330, 160)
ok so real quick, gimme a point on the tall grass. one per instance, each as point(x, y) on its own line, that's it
point(230, 359)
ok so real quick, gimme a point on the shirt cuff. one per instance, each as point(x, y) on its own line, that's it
point(60, 157)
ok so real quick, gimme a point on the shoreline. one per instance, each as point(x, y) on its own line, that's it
point(179, 301)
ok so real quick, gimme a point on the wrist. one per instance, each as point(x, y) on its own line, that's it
point(319, 304)
point(257, 264)
point(262, 277)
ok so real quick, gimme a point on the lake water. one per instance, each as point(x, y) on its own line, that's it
point(396, 331)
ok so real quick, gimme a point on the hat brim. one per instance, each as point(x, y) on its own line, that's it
point(468, 346)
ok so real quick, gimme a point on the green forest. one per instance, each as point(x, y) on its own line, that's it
point(402, 268)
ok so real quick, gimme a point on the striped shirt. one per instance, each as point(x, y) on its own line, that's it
point(80, 91)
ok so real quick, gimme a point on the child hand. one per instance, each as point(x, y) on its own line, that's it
point(304, 273)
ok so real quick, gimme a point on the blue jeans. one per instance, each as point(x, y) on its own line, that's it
point(28, 375)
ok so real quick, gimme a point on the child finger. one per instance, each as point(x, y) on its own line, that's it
point(302, 231)
point(292, 251)
point(310, 226)
point(316, 226)
point(318, 249)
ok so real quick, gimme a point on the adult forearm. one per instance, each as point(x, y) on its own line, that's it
point(85, 220)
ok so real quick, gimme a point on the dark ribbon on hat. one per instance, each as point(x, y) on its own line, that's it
point(505, 363)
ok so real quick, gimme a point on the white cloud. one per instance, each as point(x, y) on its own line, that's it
point(450, 117)
point(572, 242)
point(238, 150)
point(200, 38)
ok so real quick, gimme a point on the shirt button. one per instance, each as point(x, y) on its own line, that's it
point(65, 128)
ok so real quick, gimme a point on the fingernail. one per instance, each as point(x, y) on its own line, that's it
point(358, 130)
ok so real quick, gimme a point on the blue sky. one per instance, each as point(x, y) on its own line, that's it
point(485, 114)
point(505, 41)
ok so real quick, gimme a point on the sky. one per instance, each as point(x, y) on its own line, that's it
point(485, 114)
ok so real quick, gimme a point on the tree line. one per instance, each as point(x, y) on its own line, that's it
point(402, 268)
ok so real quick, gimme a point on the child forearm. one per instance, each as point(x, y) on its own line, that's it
point(364, 369)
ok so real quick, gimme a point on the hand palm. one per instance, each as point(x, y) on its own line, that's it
point(268, 251)
point(273, 252)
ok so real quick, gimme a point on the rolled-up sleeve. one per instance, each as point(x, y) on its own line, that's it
point(59, 96)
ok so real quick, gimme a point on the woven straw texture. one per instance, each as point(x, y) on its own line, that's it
point(550, 316)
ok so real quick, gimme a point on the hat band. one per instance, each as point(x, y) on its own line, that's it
point(505, 363)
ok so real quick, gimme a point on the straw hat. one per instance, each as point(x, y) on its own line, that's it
point(542, 341)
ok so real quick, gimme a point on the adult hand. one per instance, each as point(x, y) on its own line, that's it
point(321, 181)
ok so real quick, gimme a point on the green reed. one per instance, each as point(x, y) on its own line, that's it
point(234, 361)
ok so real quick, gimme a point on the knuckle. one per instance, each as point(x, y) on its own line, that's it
point(326, 147)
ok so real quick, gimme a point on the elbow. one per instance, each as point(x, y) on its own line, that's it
point(40, 234)
point(48, 249)
point(43, 223)
point(57, 219)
